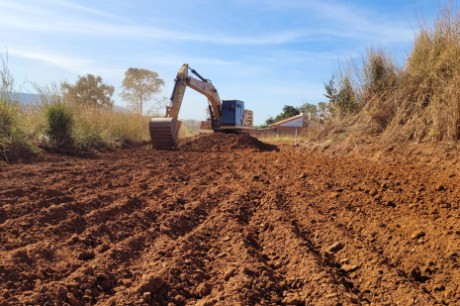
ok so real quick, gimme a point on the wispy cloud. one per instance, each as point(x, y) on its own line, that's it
point(71, 5)
point(72, 64)
point(342, 21)
point(57, 19)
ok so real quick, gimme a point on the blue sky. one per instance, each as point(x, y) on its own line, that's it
point(268, 53)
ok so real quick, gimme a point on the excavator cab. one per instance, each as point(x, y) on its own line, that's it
point(232, 113)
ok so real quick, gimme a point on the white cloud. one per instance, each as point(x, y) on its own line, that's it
point(70, 5)
point(58, 19)
point(342, 21)
point(72, 64)
point(339, 19)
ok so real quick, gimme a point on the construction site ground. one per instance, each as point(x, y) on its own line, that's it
point(227, 220)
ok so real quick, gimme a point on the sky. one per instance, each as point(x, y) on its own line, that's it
point(268, 53)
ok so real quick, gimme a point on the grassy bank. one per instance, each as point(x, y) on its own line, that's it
point(419, 101)
point(58, 126)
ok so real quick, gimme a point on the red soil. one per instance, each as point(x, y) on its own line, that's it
point(225, 222)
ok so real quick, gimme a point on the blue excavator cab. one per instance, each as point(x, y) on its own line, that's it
point(232, 113)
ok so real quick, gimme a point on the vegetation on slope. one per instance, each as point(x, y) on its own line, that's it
point(64, 121)
point(420, 101)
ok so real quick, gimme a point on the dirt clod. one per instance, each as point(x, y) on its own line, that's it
point(73, 301)
point(151, 284)
point(335, 247)
point(294, 300)
point(204, 289)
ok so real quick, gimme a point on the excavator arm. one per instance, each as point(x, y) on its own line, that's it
point(207, 89)
point(164, 131)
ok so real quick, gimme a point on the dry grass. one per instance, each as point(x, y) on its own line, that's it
point(92, 128)
point(285, 139)
point(420, 101)
point(96, 127)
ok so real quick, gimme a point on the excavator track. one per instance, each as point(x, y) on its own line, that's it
point(164, 133)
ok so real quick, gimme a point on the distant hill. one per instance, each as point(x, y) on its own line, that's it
point(29, 99)
point(24, 98)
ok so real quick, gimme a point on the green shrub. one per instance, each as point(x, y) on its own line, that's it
point(60, 123)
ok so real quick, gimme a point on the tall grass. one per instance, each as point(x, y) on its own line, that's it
point(8, 118)
point(432, 78)
point(8, 108)
point(14, 142)
point(97, 127)
point(85, 127)
point(66, 127)
point(418, 101)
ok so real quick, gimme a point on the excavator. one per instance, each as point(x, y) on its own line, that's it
point(227, 116)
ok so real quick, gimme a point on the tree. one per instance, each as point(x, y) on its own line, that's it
point(308, 108)
point(269, 121)
point(139, 85)
point(89, 90)
point(342, 100)
point(288, 111)
point(331, 91)
point(347, 102)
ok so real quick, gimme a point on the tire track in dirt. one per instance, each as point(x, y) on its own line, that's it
point(206, 240)
point(368, 260)
point(328, 221)
point(306, 277)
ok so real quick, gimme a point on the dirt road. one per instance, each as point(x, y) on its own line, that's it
point(228, 221)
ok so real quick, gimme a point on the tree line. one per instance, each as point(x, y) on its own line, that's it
point(342, 101)
point(320, 111)
point(138, 87)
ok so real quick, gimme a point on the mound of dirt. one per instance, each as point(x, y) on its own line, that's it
point(221, 142)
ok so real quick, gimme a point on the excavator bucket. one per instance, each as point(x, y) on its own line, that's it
point(164, 133)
